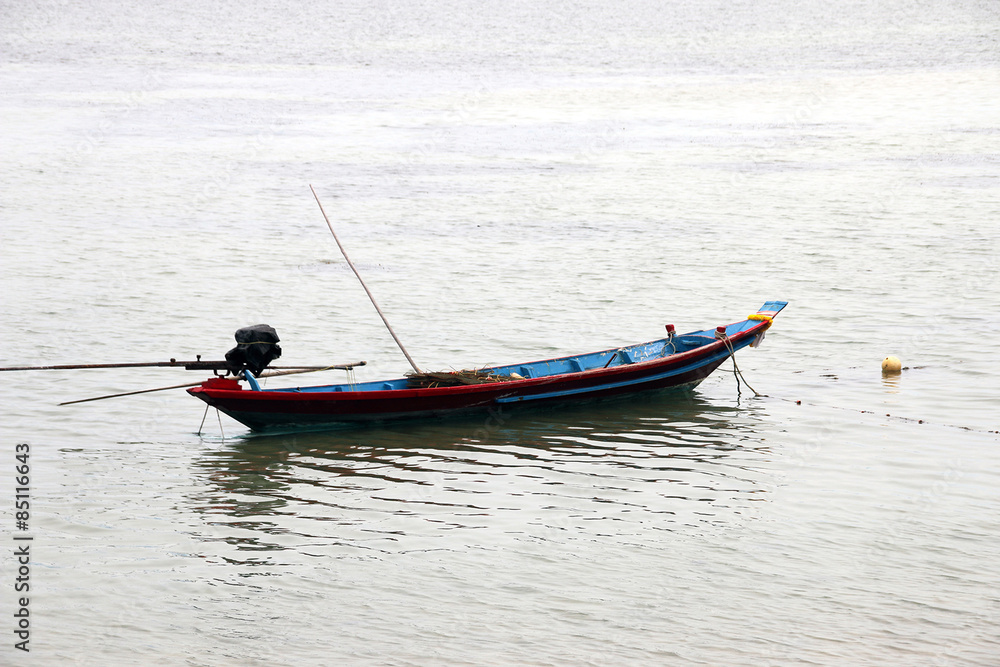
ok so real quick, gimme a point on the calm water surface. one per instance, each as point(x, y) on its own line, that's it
point(515, 182)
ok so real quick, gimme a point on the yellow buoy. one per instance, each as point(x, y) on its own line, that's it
point(891, 365)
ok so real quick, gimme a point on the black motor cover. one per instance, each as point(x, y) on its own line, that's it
point(258, 346)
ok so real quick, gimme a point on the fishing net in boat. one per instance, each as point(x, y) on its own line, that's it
point(453, 379)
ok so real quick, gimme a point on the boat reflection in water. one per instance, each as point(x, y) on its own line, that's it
point(668, 462)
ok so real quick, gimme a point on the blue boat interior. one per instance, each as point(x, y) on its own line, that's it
point(609, 358)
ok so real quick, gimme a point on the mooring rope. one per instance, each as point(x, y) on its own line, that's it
point(739, 376)
point(202, 425)
point(736, 369)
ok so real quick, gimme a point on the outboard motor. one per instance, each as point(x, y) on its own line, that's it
point(257, 347)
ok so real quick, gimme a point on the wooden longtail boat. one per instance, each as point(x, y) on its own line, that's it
point(675, 362)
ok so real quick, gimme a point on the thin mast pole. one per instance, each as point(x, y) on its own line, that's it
point(367, 291)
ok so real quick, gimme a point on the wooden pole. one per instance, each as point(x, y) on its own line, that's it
point(367, 291)
point(195, 384)
point(130, 393)
point(188, 365)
